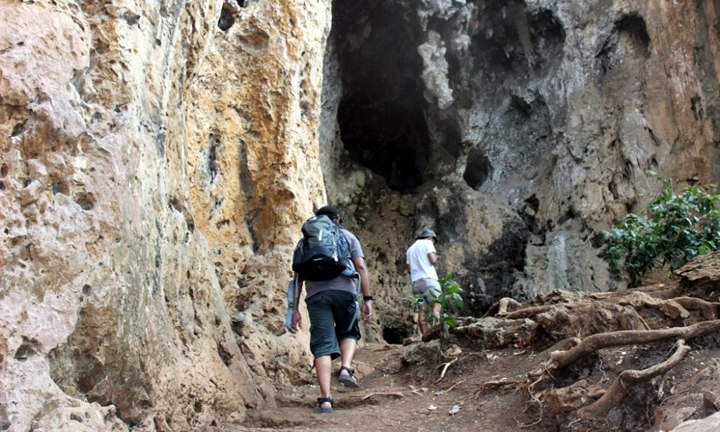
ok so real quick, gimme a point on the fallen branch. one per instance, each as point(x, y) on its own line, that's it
point(562, 359)
point(617, 391)
point(445, 368)
point(453, 386)
point(368, 396)
point(442, 392)
point(516, 384)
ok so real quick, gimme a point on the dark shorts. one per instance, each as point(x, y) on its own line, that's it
point(333, 317)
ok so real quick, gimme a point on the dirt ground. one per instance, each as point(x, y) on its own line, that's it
point(432, 397)
point(458, 384)
point(397, 398)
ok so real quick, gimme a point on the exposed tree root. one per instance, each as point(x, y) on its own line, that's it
point(659, 291)
point(447, 390)
point(503, 383)
point(562, 359)
point(709, 310)
point(580, 324)
point(445, 367)
point(505, 303)
point(615, 394)
point(525, 313)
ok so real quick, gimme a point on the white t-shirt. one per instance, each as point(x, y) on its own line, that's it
point(417, 258)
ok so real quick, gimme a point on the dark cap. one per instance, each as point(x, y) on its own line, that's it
point(329, 211)
point(428, 233)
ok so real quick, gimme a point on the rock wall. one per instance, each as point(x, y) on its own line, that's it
point(539, 122)
point(157, 159)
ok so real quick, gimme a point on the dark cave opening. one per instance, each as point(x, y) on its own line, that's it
point(513, 48)
point(395, 335)
point(629, 32)
point(512, 43)
point(634, 26)
point(477, 169)
point(381, 113)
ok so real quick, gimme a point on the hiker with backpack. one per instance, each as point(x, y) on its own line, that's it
point(421, 258)
point(329, 262)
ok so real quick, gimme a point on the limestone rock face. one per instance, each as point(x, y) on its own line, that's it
point(154, 162)
point(538, 122)
point(158, 158)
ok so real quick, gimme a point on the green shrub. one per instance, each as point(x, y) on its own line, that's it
point(673, 229)
point(449, 299)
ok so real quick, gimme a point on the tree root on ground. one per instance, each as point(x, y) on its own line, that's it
point(586, 327)
point(615, 394)
point(562, 359)
point(445, 367)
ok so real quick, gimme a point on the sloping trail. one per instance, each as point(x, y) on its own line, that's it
point(604, 364)
point(393, 397)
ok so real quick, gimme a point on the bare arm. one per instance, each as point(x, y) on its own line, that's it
point(361, 268)
point(297, 289)
point(432, 257)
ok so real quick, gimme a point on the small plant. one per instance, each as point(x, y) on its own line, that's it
point(672, 230)
point(449, 298)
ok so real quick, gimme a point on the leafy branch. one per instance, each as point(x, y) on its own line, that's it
point(672, 230)
point(449, 298)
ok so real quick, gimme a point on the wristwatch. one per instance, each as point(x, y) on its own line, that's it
point(367, 298)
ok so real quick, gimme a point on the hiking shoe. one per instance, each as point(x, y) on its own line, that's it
point(348, 380)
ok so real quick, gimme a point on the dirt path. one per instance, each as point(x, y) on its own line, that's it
point(397, 398)
point(452, 391)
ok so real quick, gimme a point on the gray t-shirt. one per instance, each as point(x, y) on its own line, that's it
point(340, 283)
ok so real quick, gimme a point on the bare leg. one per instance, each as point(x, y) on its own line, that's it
point(323, 370)
point(422, 323)
point(347, 351)
point(437, 307)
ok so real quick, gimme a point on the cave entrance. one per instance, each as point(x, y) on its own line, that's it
point(381, 112)
point(395, 335)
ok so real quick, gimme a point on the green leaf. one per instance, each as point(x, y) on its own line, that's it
point(671, 230)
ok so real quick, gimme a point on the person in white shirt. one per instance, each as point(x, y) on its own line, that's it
point(421, 258)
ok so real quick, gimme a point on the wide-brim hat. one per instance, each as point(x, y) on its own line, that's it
point(428, 233)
